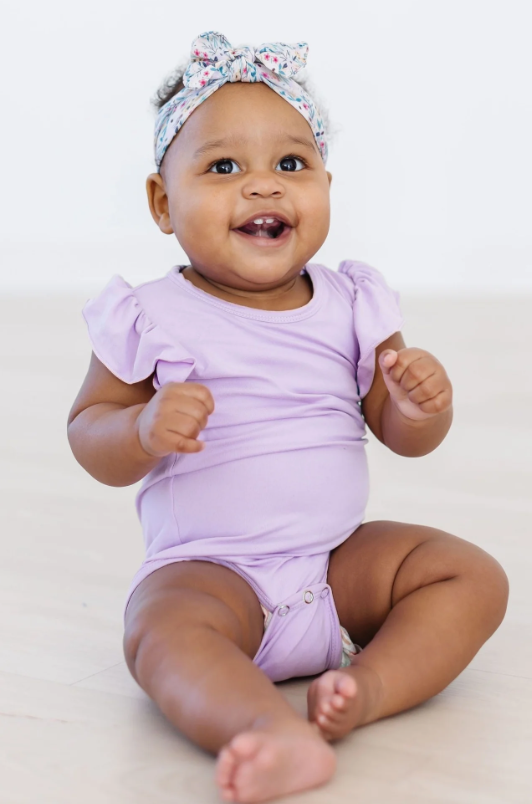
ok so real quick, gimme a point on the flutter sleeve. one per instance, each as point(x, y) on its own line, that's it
point(376, 316)
point(127, 341)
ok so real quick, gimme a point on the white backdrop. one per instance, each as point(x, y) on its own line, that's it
point(430, 102)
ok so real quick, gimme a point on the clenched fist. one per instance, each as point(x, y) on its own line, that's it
point(173, 419)
point(417, 382)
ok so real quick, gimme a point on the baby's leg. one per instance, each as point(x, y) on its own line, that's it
point(192, 629)
point(422, 603)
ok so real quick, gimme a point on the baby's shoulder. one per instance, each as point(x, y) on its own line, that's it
point(128, 303)
point(153, 292)
point(353, 277)
point(132, 327)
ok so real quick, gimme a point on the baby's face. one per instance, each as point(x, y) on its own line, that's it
point(244, 154)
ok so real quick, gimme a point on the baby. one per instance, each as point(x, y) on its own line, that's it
point(239, 388)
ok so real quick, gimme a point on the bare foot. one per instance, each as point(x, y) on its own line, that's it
point(341, 700)
point(282, 759)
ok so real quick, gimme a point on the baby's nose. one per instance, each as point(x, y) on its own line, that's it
point(263, 184)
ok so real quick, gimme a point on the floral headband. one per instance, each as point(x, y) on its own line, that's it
point(214, 62)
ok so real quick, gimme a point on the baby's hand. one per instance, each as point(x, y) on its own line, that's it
point(173, 419)
point(418, 384)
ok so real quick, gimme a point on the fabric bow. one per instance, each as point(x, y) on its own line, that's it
point(213, 59)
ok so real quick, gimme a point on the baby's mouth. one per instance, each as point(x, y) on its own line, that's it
point(264, 227)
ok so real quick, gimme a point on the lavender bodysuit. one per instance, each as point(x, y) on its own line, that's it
point(283, 478)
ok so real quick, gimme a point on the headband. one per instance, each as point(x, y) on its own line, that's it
point(214, 62)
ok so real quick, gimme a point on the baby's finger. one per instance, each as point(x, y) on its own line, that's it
point(421, 390)
point(438, 403)
point(195, 391)
point(200, 392)
point(184, 444)
point(387, 360)
point(186, 406)
point(404, 358)
point(409, 373)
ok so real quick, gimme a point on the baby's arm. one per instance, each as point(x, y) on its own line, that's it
point(119, 432)
point(409, 405)
point(102, 428)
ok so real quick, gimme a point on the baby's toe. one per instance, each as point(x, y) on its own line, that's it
point(335, 703)
point(345, 685)
point(324, 708)
point(225, 768)
point(245, 746)
point(325, 684)
point(338, 703)
point(329, 718)
point(332, 716)
point(328, 728)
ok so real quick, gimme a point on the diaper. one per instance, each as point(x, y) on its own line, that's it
point(349, 648)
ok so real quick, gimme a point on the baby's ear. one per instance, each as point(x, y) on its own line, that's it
point(329, 176)
point(158, 201)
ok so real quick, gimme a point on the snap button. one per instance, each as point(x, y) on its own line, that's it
point(308, 597)
point(283, 611)
point(325, 592)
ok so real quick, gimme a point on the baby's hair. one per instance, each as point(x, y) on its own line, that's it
point(174, 83)
point(171, 85)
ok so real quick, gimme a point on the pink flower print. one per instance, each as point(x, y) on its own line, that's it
point(305, 106)
point(275, 59)
point(196, 52)
point(206, 72)
point(266, 56)
point(203, 82)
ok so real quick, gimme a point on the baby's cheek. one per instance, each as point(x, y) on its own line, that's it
point(315, 225)
point(315, 206)
point(201, 227)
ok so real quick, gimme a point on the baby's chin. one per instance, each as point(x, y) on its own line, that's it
point(255, 268)
point(256, 275)
point(263, 271)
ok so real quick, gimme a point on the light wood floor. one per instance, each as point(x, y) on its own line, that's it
point(74, 727)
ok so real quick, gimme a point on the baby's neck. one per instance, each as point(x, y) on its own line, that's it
point(299, 294)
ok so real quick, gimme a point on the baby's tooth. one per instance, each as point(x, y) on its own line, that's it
point(269, 220)
point(259, 220)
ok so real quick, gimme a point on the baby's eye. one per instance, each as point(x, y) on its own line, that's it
point(291, 163)
point(225, 166)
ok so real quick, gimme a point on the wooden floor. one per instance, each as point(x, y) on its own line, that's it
point(74, 727)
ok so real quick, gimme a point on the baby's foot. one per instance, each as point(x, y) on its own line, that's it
point(341, 700)
point(261, 765)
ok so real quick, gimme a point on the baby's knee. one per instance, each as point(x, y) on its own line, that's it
point(493, 585)
point(141, 630)
point(171, 623)
point(446, 558)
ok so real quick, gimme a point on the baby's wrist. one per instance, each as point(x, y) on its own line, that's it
point(417, 419)
point(413, 437)
point(144, 455)
point(137, 455)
